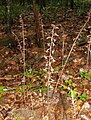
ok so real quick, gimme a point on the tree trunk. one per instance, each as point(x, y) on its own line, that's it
point(71, 4)
point(8, 17)
point(38, 31)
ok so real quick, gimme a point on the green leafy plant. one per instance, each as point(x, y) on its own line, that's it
point(84, 74)
point(36, 75)
point(70, 83)
point(31, 72)
point(83, 96)
point(70, 87)
point(72, 93)
point(72, 90)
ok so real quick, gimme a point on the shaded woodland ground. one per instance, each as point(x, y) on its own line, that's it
point(48, 82)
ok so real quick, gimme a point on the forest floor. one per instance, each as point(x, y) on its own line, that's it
point(33, 100)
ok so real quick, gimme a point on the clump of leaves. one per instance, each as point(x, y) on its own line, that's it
point(72, 90)
point(83, 96)
point(70, 87)
point(84, 74)
point(31, 72)
point(72, 93)
point(37, 77)
point(70, 83)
